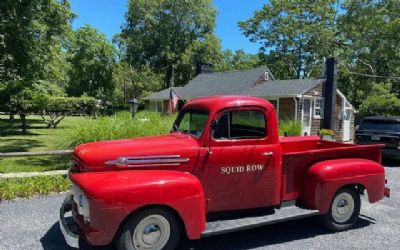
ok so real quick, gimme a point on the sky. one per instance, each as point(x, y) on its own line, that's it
point(108, 15)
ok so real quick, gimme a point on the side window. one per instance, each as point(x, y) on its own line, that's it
point(241, 124)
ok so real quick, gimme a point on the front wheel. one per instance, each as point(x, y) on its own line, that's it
point(344, 210)
point(153, 229)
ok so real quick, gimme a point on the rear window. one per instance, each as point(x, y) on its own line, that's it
point(380, 125)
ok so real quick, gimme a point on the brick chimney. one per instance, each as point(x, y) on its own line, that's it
point(203, 68)
point(330, 92)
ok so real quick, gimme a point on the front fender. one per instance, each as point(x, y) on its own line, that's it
point(128, 190)
point(324, 178)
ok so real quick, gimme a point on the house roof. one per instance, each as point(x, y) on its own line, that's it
point(222, 83)
point(163, 94)
point(241, 82)
point(278, 88)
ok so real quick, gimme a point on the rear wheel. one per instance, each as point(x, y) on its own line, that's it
point(153, 228)
point(344, 210)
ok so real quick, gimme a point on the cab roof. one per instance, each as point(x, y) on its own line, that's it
point(225, 101)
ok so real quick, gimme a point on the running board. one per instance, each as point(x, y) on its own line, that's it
point(280, 215)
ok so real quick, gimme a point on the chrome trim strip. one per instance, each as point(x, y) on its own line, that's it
point(147, 160)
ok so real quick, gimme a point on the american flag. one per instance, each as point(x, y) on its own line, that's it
point(173, 101)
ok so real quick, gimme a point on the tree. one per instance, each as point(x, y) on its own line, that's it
point(135, 82)
point(207, 50)
point(93, 61)
point(380, 101)
point(158, 33)
point(31, 37)
point(369, 34)
point(296, 34)
point(237, 60)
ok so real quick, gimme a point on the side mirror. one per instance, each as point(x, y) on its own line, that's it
point(213, 125)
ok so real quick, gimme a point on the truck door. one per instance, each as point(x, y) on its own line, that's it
point(242, 166)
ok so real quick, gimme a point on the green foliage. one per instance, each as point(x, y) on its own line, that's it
point(135, 82)
point(26, 187)
point(291, 127)
point(296, 33)
point(387, 104)
point(92, 60)
point(381, 101)
point(207, 50)
point(158, 33)
point(237, 60)
point(119, 126)
point(83, 105)
point(369, 34)
point(326, 132)
point(31, 41)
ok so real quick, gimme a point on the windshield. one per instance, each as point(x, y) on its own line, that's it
point(191, 121)
point(380, 125)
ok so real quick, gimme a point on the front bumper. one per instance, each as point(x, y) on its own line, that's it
point(68, 227)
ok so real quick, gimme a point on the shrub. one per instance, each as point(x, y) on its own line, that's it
point(325, 131)
point(387, 104)
point(291, 127)
point(120, 126)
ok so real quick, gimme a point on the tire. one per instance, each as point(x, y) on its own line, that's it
point(344, 210)
point(153, 228)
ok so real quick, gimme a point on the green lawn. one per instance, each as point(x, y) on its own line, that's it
point(38, 138)
point(71, 131)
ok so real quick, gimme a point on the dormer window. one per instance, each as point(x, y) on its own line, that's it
point(266, 76)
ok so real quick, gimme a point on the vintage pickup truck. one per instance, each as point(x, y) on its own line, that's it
point(222, 168)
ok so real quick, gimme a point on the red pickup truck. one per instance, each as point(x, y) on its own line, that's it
point(222, 168)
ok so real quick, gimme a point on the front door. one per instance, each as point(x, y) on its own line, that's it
point(306, 117)
point(241, 167)
point(346, 124)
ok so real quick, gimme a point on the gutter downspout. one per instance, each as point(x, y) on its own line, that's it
point(296, 107)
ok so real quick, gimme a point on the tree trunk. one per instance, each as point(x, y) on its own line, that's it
point(23, 123)
point(167, 78)
point(172, 75)
point(11, 117)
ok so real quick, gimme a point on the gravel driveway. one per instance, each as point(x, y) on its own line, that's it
point(32, 224)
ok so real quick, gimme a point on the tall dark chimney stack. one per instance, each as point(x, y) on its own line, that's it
point(204, 68)
point(330, 93)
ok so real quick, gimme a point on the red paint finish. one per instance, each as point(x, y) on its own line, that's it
point(125, 191)
point(217, 175)
point(324, 178)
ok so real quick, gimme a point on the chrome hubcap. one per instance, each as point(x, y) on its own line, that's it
point(152, 232)
point(342, 207)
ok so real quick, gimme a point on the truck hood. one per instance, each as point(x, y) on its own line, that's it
point(146, 152)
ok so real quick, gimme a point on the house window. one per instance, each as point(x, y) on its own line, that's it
point(156, 106)
point(319, 107)
point(240, 124)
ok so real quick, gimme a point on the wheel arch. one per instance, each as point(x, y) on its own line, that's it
point(154, 206)
point(324, 178)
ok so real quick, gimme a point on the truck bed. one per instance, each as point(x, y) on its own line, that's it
point(300, 153)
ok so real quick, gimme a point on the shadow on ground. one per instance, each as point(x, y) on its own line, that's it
point(19, 145)
point(247, 239)
point(388, 162)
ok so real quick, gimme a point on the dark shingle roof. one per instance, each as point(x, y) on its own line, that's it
point(223, 83)
point(241, 82)
point(163, 94)
point(283, 87)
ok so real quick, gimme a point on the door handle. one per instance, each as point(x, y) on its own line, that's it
point(268, 153)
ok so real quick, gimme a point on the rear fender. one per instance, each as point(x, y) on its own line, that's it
point(324, 178)
point(127, 191)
